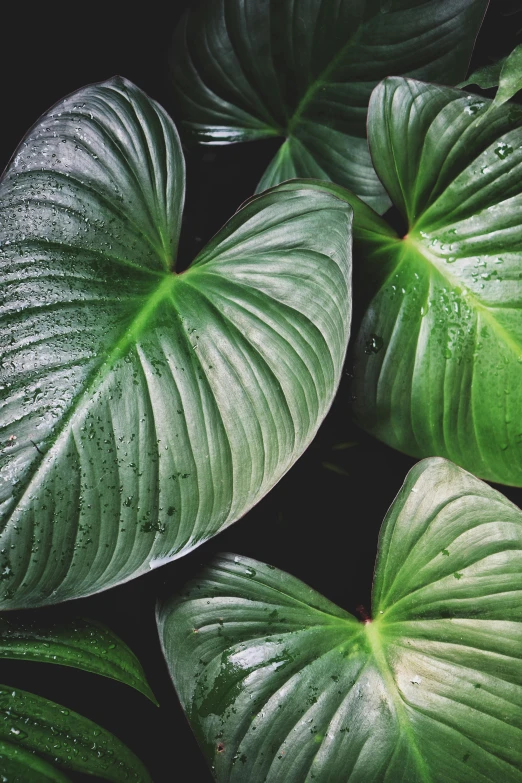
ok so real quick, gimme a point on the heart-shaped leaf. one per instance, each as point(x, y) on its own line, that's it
point(438, 357)
point(79, 643)
point(304, 71)
point(280, 684)
point(143, 411)
point(34, 730)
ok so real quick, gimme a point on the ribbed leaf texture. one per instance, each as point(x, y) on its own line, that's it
point(142, 410)
point(281, 685)
point(304, 70)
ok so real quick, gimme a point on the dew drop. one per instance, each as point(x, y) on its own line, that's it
point(503, 150)
point(373, 344)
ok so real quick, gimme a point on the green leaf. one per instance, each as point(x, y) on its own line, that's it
point(280, 684)
point(438, 356)
point(144, 410)
point(485, 77)
point(82, 644)
point(304, 71)
point(506, 74)
point(40, 728)
point(18, 765)
point(510, 77)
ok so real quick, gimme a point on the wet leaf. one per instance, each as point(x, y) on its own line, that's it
point(143, 410)
point(280, 684)
point(37, 735)
point(82, 644)
point(445, 299)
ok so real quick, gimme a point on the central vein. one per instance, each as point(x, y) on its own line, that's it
point(373, 634)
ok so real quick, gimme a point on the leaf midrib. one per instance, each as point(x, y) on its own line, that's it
point(381, 662)
point(321, 80)
point(130, 336)
point(485, 311)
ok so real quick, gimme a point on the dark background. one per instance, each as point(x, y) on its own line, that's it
point(320, 524)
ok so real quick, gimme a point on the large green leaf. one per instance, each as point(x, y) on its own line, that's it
point(304, 70)
point(33, 728)
point(143, 411)
point(79, 643)
point(281, 685)
point(438, 357)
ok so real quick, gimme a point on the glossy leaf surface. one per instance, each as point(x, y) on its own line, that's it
point(18, 765)
point(438, 358)
point(143, 411)
point(281, 685)
point(79, 643)
point(302, 70)
point(33, 728)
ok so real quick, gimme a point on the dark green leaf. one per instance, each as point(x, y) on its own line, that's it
point(485, 77)
point(281, 685)
point(302, 70)
point(63, 738)
point(80, 643)
point(438, 358)
point(18, 765)
point(143, 410)
point(506, 74)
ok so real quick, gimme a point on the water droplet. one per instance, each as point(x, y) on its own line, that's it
point(474, 107)
point(373, 344)
point(18, 733)
point(503, 150)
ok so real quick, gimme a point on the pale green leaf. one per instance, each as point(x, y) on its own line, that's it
point(281, 685)
point(143, 411)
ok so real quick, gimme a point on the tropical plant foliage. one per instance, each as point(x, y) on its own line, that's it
point(146, 410)
point(280, 684)
point(506, 74)
point(438, 358)
point(146, 405)
point(39, 738)
point(305, 70)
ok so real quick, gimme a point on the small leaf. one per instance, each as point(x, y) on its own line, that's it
point(304, 71)
point(510, 77)
point(62, 737)
point(485, 77)
point(143, 410)
point(280, 684)
point(506, 74)
point(79, 643)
